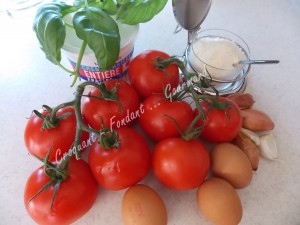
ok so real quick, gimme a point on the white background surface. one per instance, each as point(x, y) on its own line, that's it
point(272, 30)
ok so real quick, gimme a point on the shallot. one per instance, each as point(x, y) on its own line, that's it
point(256, 120)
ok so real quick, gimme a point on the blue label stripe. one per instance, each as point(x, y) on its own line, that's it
point(121, 75)
point(96, 68)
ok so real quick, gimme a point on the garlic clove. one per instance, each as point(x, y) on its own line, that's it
point(268, 147)
point(252, 135)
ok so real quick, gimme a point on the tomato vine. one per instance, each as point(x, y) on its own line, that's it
point(193, 80)
point(107, 137)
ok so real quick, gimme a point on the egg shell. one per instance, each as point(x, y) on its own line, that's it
point(231, 163)
point(141, 205)
point(219, 202)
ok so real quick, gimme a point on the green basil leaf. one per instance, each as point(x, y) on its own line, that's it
point(60, 8)
point(101, 33)
point(81, 3)
point(140, 11)
point(50, 29)
point(108, 6)
point(78, 2)
point(121, 2)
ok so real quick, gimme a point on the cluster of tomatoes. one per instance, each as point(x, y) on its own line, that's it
point(119, 156)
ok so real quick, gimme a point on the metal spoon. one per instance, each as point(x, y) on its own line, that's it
point(243, 62)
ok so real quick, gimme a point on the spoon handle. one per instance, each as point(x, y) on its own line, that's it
point(243, 62)
point(259, 62)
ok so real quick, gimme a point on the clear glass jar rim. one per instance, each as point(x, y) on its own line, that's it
point(246, 51)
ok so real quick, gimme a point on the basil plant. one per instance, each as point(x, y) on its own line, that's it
point(93, 23)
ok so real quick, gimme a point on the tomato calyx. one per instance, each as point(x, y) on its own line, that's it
point(50, 120)
point(56, 173)
point(158, 65)
point(216, 103)
point(108, 138)
point(108, 95)
point(213, 102)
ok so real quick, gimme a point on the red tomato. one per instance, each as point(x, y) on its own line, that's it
point(38, 141)
point(119, 168)
point(75, 195)
point(146, 78)
point(180, 164)
point(95, 110)
point(220, 125)
point(156, 124)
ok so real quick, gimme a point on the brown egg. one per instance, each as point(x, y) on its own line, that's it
point(231, 163)
point(219, 202)
point(141, 205)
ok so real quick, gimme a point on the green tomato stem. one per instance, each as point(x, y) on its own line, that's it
point(78, 63)
point(200, 115)
point(77, 107)
point(60, 106)
point(76, 104)
point(80, 126)
point(65, 69)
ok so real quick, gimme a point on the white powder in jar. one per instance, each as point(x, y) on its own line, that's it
point(219, 55)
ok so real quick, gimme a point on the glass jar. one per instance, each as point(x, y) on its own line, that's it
point(212, 54)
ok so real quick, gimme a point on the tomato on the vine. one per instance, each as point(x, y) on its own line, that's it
point(74, 197)
point(146, 78)
point(180, 164)
point(220, 125)
point(60, 139)
point(159, 116)
point(120, 167)
point(97, 109)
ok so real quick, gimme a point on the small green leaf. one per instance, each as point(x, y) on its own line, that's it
point(50, 29)
point(109, 6)
point(139, 11)
point(101, 33)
